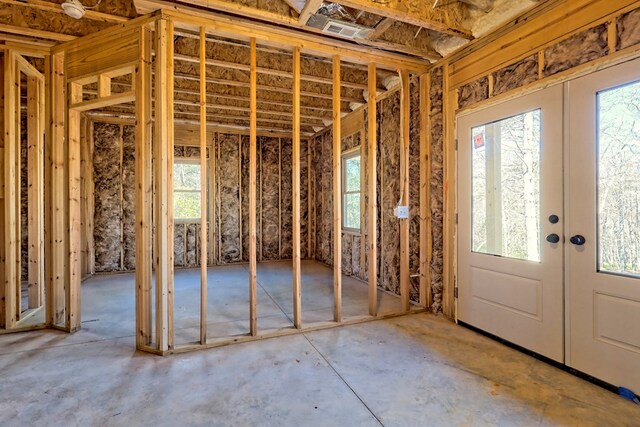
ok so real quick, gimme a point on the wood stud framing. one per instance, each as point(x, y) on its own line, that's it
point(404, 188)
point(154, 181)
point(372, 207)
point(425, 195)
point(203, 188)
point(253, 279)
point(57, 252)
point(73, 271)
point(337, 194)
point(297, 275)
point(162, 196)
point(144, 192)
point(10, 280)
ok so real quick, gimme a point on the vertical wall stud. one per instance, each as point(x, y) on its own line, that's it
point(170, 136)
point(57, 142)
point(74, 266)
point(425, 195)
point(253, 265)
point(10, 279)
point(404, 173)
point(372, 207)
point(297, 276)
point(162, 199)
point(144, 191)
point(337, 195)
point(203, 187)
point(449, 207)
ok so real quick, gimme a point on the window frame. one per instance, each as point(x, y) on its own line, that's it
point(186, 161)
point(346, 155)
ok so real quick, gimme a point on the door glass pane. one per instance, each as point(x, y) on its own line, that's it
point(506, 187)
point(619, 179)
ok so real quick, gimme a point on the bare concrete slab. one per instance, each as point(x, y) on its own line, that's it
point(415, 370)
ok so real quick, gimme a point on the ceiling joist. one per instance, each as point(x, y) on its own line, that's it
point(398, 10)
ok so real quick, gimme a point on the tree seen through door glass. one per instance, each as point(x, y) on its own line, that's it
point(506, 187)
point(351, 193)
point(619, 179)
point(186, 191)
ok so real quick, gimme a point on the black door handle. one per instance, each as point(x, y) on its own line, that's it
point(578, 240)
point(553, 238)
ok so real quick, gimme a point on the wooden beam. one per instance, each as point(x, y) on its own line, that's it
point(203, 188)
point(10, 281)
point(49, 7)
point(380, 28)
point(404, 182)
point(170, 142)
point(398, 11)
point(253, 263)
point(372, 202)
point(143, 7)
point(162, 198)
point(309, 9)
point(275, 36)
point(449, 107)
point(16, 131)
point(104, 86)
point(297, 275)
point(2, 202)
point(425, 194)
point(144, 191)
point(30, 32)
point(57, 255)
point(74, 266)
point(337, 195)
point(94, 104)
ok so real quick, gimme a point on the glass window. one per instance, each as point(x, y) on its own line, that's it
point(351, 191)
point(619, 179)
point(506, 187)
point(186, 190)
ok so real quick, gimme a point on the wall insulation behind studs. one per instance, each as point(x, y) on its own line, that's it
point(107, 177)
point(436, 182)
point(114, 203)
point(354, 255)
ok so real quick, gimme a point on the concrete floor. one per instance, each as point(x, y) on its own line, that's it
point(413, 370)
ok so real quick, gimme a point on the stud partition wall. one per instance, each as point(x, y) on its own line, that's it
point(141, 54)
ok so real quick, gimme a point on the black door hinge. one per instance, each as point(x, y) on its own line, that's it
point(455, 292)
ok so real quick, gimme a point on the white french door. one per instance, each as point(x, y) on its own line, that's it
point(558, 275)
point(509, 201)
point(603, 207)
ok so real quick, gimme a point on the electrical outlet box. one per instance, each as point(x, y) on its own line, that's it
point(401, 212)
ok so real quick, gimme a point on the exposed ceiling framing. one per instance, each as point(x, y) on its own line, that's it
point(416, 30)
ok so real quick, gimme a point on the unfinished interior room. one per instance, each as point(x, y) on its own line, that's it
point(308, 212)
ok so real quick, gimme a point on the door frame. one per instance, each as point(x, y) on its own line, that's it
point(548, 337)
point(12, 317)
